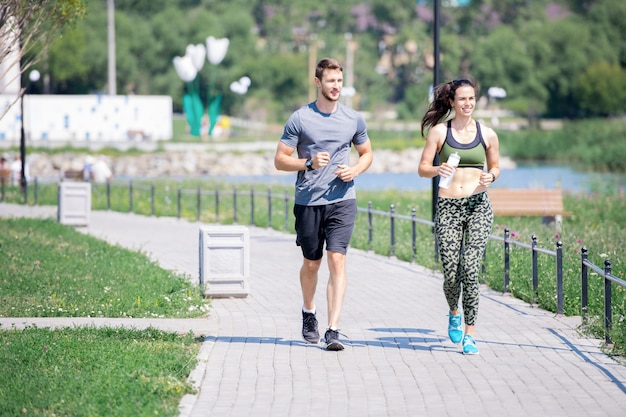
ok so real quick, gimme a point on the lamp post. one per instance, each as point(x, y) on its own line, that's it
point(32, 77)
point(111, 47)
point(435, 182)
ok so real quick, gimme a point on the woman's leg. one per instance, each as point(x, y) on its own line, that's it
point(449, 232)
point(476, 236)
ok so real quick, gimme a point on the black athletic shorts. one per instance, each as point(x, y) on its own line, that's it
point(332, 223)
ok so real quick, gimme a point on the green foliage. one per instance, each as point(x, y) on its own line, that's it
point(596, 144)
point(512, 44)
point(601, 90)
point(608, 18)
point(83, 371)
point(285, 76)
point(37, 24)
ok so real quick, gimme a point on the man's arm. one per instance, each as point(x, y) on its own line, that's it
point(347, 173)
point(283, 160)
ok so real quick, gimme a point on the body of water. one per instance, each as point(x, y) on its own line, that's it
point(519, 178)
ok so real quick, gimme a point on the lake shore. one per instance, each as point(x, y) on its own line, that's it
point(195, 161)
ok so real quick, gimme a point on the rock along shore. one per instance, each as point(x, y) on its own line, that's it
point(194, 161)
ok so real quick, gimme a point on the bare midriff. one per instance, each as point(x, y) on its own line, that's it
point(464, 184)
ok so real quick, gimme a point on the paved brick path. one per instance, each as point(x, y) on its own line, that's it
point(398, 360)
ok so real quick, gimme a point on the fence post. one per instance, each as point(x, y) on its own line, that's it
point(608, 315)
point(234, 204)
point(370, 229)
point(286, 210)
point(506, 259)
point(178, 201)
point(130, 196)
point(584, 282)
point(198, 203)
point(36, 191)
point(252, 206)
point(392, 225)
point(535, 267)
point(152, 199)
point(24, 187)
point(217, 205)
point(108, 194)
point(434, 230)
point(559, 277)
point(414, 234)
point(269, 207)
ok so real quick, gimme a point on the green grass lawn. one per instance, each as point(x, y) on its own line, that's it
point(85, 371)
point(51, 270)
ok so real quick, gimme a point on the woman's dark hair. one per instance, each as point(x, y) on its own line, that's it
point(327, 63)
point(440, 107)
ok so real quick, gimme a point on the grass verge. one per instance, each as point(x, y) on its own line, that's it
point(51, 270)
point(87, 371)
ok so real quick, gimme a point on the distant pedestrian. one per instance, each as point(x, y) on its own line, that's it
point(16, 171)
point(464, 216)
point(322, 133)
point(101, 172)
point(88, 168)
point(5, 172)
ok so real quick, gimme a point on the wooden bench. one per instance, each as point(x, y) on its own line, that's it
point(5, 176)
point(73, 175)
point(544, 203)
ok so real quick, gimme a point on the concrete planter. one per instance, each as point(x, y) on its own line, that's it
point(74, 203)
point(224, 261)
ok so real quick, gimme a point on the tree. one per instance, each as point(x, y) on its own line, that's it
point(27, 26)
point(535, 49)
point(601, 90)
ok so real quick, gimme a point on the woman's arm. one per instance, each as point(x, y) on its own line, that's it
point(493, 157)
point(426, 169)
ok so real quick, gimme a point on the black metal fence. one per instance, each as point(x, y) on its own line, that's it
point(609, 279)
point(287, 204)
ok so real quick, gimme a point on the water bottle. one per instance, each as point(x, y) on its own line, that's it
point(453, 160)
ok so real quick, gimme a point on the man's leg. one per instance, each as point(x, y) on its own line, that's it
point(338, 228)
point(336, 289)
point(335, 292)
point(308, 282)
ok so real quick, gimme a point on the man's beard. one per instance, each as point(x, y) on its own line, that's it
point(327, 95)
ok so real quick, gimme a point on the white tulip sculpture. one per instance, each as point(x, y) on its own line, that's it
point(240, 86)
point(216, 51)
point(188, 68)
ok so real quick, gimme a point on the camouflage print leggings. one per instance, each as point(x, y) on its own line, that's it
point(462, 227)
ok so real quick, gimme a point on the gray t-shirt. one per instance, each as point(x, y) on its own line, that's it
point(310, 131)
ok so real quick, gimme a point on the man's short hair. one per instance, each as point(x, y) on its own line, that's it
point(327, 63)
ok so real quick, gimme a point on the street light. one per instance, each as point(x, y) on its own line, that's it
point(33, 77)
point(435, 182)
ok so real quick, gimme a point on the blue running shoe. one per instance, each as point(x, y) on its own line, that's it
point(469, 346)
point(455, 329)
